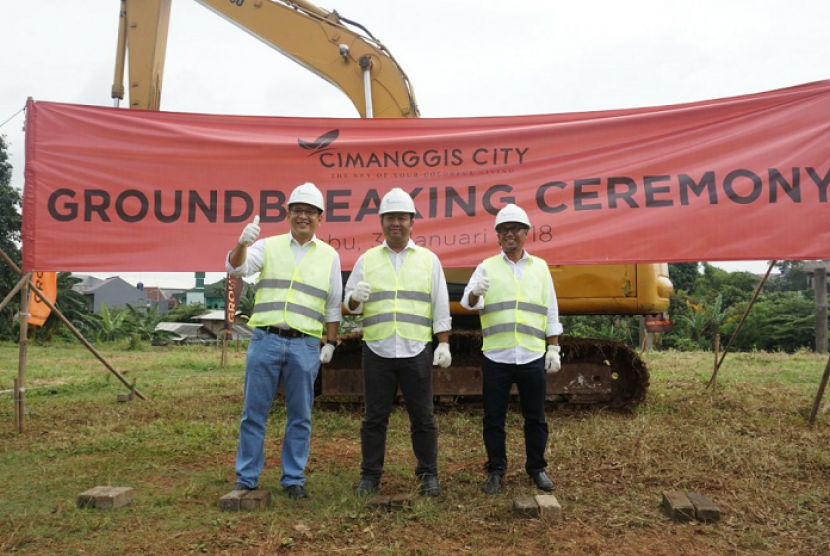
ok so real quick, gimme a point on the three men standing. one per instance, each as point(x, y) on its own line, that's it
point(297, 301)
point(515, 297)
point(401, 290)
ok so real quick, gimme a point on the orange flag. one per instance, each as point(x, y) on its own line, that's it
point(47, 282)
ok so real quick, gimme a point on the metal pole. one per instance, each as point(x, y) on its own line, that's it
point(366, 65)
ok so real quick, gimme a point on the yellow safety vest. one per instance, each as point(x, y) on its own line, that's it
point(516, 312)
point(398, 302)
point(290, 293)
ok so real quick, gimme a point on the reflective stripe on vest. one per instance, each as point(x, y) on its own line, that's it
point(398, 302)
point(294, 294)
point(515, 311)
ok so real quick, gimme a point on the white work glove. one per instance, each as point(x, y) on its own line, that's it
point(552, 360)
point(361, 292)
point(481, 286)
point(326, 353)
point(250, 233)
point(442, 356)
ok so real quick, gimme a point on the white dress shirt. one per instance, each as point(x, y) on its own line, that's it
point(394, 346)
point(256, 256)
point(516, 355)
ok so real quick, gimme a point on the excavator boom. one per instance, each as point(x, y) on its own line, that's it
point(322, 42)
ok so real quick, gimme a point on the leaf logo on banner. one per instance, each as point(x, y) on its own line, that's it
point(319, 145)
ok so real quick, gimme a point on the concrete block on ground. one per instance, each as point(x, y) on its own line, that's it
point(400, 501)
point(123, 398)
point(105, 497)
point(379, 502)
point(678, 506)
point(245, 500)
point(705, 510)
point(549, 508)
point(525, 506)
point(255, 500)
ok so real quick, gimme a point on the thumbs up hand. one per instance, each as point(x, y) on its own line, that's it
point(250, 233)
point(481, 286)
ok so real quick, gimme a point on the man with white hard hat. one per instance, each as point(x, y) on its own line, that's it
point(297, 302)
point(401, 290)
point(514, 295)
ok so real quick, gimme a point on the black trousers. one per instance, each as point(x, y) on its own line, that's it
point(381, 379)
point(531, 381)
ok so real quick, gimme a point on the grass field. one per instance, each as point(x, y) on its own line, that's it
point(748, 448)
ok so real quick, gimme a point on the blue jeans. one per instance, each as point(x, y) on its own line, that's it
point(270, 358)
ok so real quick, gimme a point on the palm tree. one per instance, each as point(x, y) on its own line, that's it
point(144, 323)
point(111, 326)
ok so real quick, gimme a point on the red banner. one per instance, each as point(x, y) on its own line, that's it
point(741, 178)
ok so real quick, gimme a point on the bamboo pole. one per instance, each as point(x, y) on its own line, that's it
point(224, 346)
point(69, 325)
point(16, 396)
point(820, 393)
point(716, 346)
point(23, 345)
point(84, 341)
point(714, 377)
point(15, 289)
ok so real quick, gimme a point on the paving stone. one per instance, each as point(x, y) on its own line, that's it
point(525, 506)
point(255, 500)
point(379, 501)
point(105, 497)
point(231, 502)
point(400, 501)
point(705, 510)
point(549, 508)
point(678, 506)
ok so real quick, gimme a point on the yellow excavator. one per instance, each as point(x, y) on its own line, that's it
point(345, 54)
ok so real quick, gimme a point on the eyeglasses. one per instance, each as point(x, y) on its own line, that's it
point(504, 230)
point(303, 212)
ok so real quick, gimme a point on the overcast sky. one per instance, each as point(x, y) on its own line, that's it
point(464, 58)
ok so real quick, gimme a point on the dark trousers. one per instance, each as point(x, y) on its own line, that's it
point(381, 379)
point(531, 381)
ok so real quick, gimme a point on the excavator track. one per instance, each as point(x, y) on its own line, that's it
point(594, 373)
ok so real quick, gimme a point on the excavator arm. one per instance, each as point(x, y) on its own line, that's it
point(322, 42)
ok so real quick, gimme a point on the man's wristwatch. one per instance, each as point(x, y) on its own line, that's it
point(331, 343)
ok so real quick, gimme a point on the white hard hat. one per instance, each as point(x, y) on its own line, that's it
point(397, 200)
point(512, 213)
point(307, 193)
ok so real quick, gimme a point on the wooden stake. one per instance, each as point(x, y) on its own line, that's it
point(820, 393)
point(23, 344)
point(224, 346)
point(740, 324)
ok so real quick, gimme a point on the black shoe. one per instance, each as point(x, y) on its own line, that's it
point(367, 486)
point(240, 486)
point(430, 486)
point(296, 492)
point(492, 485)
point(542, 481)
